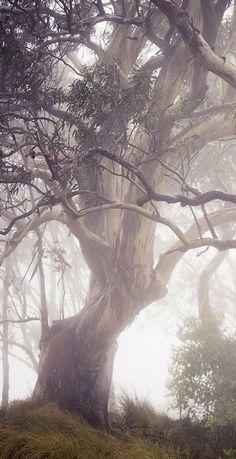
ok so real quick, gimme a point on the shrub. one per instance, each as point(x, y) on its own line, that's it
point(203, 373)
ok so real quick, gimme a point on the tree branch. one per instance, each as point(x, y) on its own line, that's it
point(169, 260)
point(199, 200)
point(194, 40)
point(27, 351)
point(19, 321)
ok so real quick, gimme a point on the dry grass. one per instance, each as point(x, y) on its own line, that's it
point(40, 431)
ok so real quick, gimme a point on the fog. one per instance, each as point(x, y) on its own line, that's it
point(118, 217)
point(144, 350)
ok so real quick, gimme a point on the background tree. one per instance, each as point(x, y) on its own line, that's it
point(108, 135)
point(203, 375)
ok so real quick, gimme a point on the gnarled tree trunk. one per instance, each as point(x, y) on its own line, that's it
point(77, 354)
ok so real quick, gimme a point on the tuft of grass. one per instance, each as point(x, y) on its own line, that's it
point(43, 431)
point(140, 417)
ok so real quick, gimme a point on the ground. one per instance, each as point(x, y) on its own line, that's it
point(39, 431)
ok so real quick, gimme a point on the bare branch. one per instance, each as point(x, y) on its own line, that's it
point(19, 321)
point(168, 261)
point(27, 351)
point(199, 200)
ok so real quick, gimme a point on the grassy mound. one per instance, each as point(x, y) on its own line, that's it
point(194, 440)
point(40, 431)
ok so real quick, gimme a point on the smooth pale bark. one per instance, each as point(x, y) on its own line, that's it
point(196, 43)
point(213, 124)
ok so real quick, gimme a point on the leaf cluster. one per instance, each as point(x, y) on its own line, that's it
point(22, 62)
point(99, 97)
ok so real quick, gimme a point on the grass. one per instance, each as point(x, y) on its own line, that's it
point(42, 430)
point(140, 417)
point(39, 431)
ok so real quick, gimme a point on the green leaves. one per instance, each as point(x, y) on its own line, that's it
point(98, 97)
point(203, 373)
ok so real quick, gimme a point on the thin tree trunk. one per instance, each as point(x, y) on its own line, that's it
point(5, 346)
point(204, 308)
point(43, 297)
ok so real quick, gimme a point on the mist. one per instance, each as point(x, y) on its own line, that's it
point(117, 246)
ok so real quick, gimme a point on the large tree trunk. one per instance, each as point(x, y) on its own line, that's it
point(75, 372)
point(77, 354)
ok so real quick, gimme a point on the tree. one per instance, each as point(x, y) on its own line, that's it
point(5, 356)
point(203, 378)
point(101, 146)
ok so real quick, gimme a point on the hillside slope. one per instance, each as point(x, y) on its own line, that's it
point(43, 431)
point(39, 431)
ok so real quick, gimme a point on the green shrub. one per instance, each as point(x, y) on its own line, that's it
point(229, 453)
point(203, 373)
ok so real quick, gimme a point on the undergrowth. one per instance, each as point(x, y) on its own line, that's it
point(42, 430)
point(39, 431)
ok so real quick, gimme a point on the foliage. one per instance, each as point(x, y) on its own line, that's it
point(23, 62)
point(230, 453)
point(99, 96)
point(189, 439)
point(203, 373)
